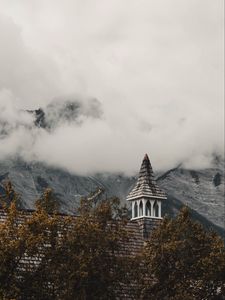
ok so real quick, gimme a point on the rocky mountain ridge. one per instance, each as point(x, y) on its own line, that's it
point(201, 190)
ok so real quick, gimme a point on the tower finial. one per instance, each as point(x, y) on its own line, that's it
point(146, 157)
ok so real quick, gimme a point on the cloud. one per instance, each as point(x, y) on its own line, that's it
point(156, 67)
point(71, 110)
point(78, 137)
point(28, 75)
point(10, 117)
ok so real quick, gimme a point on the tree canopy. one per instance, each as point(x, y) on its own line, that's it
point(46, 255)
point(186, 261)
point(69, 257)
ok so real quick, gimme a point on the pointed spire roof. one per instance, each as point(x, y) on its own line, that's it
point(146, 185)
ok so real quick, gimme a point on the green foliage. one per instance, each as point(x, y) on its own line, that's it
point(185, 261)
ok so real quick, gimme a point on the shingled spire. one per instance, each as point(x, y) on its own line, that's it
point(146, 196)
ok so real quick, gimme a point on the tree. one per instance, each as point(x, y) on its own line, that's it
point(25, 241)
point(11, 250)
point(89, 264)
point(45, 255)
point(48, 202)
point(185, 261)
point(10, 196)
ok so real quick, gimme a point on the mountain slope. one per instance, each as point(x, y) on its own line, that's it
point(31, 179)
point(202, 191)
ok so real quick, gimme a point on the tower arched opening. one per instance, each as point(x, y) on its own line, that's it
point(148, 209)
point(135, 210)
point(141, 209)
point(156, 209)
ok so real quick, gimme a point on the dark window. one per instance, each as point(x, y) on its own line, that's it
point(148, 208)
point(156, 209)
point(135, 210)
point(141, 209)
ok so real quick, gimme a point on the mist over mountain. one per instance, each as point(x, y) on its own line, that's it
point(40, 148)
point(69, 112)
point(142, 76)
point(76, 134)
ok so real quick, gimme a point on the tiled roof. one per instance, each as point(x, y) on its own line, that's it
point(146, 185)
point(132, 247)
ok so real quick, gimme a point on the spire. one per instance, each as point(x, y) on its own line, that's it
point(146, 185)
point(146, 173)
point(146, 157)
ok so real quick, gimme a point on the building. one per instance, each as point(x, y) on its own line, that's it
point(146, 199)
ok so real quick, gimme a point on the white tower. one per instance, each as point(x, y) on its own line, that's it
point(146, 197)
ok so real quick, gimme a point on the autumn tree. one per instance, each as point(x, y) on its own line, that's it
point(46, 255)
point(11, 246)
point(89, 263)
point(43, 239)
point(48, 202)
point(10, 196)
point(184, 261)
point(24, 237)
point(11, 251)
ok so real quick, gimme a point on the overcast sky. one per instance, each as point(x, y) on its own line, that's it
point(154, 66)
